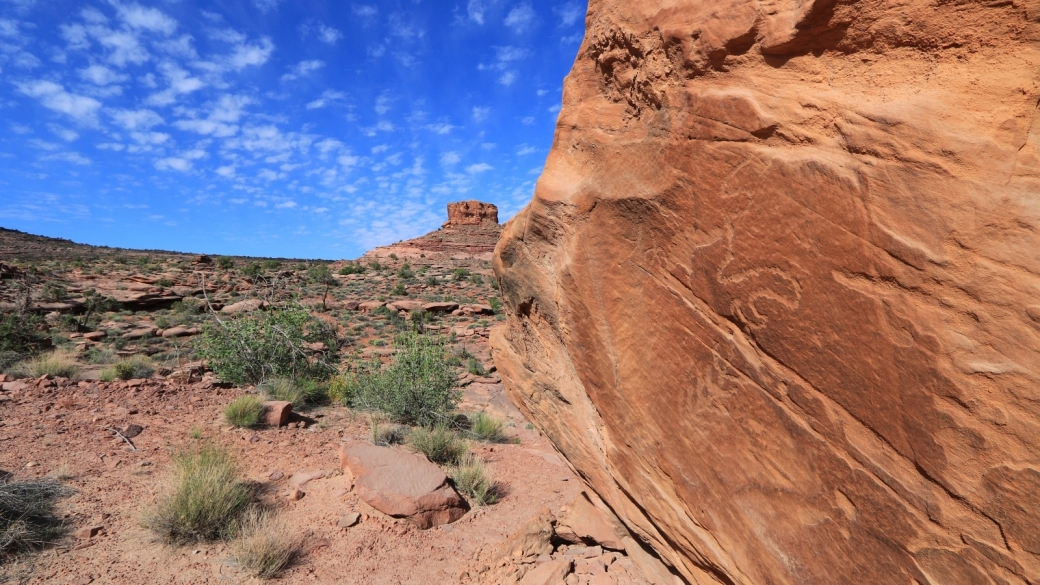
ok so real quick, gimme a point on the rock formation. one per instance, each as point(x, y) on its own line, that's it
point(777, 296)
point(471, 232)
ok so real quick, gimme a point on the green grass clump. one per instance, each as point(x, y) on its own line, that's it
point(131, 368)
point(487, 428)
point(281, 389)
point(27, 518)
point(204, 500)
point(440, 444)
point(244, 411)
point(473, 480)
point(265, 544)
point(59, 364)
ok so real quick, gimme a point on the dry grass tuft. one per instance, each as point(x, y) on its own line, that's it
point(59, 364)
point(204, 500)
point(265, 544)
point(487, 428)
point(244, 411)
point(440, 444)
point(27, 518)
point(472, 478)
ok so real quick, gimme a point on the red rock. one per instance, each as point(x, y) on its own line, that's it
point(404, 305)
point(551, 573)
point(276, 413)
point(402, 484)
point(317, 346)
point(477, 310)
point(89, 532)
point(302, 478)
point(471, 213)
point(754, 302)
point(3, 378)
point(440, 307)
point(179, 331)
point(351, 305)
point(246, 306)
point(139, 333)
point(582, 522)
point(296, 495)
point(95, 335)
point(371, 305)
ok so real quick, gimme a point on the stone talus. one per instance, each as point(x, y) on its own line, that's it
point(776, 295)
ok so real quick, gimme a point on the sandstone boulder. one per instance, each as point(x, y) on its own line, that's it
point(471, 213)
point(277, 412)
point(404, 305)
point(581, 522)
point(371, 305)
point(139, 333)
point(401, 484)
point(772, 297)
point(246, 306)
point(440, 307)
point(180, 331)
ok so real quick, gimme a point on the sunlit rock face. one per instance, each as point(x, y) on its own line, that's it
point(777, 296)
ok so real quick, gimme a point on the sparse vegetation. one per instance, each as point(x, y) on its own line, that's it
point(473, 480)
point(204, 500)
point(281, 389)
point(439, 444)
point(225, 263)
point(27, 517)
point(265, 544)
point(252, 348)
point(133, 367)
point(487, 428)
point(58, 363)
point(418, 387)
point(245, 411)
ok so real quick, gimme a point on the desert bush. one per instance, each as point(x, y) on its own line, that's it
point(225, 263)
point(405, 272)
point(252, 270)
point(495, 304)
point(27, 518)
point(432, 281)
point(244, 411)
point(59, 363)
point(164, 282)
point(137, 366)
point(477, 279)
point(473, 480)
point(272, 264)
point(265, 544)
point(440, 444)
point(485, 427)
point(204, 499)
point(265, 344)
point(375, 265)
point(475, 367)
point(418, 387)
point(352, 268)
point(386, 435)
point(399, 290)
point(460, 274)
point(19, 333)
point(339, 389)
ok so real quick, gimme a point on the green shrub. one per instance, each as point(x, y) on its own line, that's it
point(245, 411)
point(473, 480)
point(475, 367)
point(399, 290)
point(375, 266)
point(131, 368)
point(225, 263)
point(496, 305)
point(432, 281)
point(440, 444)
point(485, 427)
point(460, 274)
point(204, 500)
point(265, 544)
point(339, 390)
point(252, 270)
point(418, 387)
point(477, 279)
point(251, 348)
point(405, 272)
point(20, 334)
point(164, 282)
point(386, 435)
point(27, 518)
point(272, 265)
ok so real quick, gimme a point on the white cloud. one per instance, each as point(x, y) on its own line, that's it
point(302, 69)
point(569, 13)
point(69, 157)
point(441, 128)
point(246, 55)
point(525, 149)
point(348, 161)
point(326, 97)
point(520, 18)
point(478, 168)
point(101, 75)
point(527, 121)
point(286, 205)
point(173, 163)
point(328, 145)
point(180, 83)
point(480, 114)
point(508, 78)
point(266, 6)
point(151, 19)
point(383, 104)
point(450, 158)
point(135, 119)
point(475, 10)
point(329, 35)
point(364, 11)
point(153, 138)
point(227, 172)
point(380, 148)
point(53, 96)
point(63, 133)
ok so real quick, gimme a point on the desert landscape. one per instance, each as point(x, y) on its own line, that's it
point(771, 316)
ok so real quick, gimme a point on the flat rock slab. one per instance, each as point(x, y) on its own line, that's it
point(402, 484)
point(276, 412)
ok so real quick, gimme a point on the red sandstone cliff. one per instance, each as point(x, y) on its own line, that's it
point(470, 233)
point(777, 296)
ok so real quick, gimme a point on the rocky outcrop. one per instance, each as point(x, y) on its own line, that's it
point(471, 213)
point(471, 232)
point(776, 296)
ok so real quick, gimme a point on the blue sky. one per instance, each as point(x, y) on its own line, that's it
point(292, 128)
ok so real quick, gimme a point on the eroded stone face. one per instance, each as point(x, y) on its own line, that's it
point(776, 294)
point(471, 213)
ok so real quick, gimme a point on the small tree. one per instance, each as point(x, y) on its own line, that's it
point(321, 274)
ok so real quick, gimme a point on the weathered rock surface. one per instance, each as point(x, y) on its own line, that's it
point(776, 295)
point(471, 213)
point(471, 231)
point(401, 484)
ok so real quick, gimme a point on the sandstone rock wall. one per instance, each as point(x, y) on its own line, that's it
point(777, 297)
point(471, 213)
